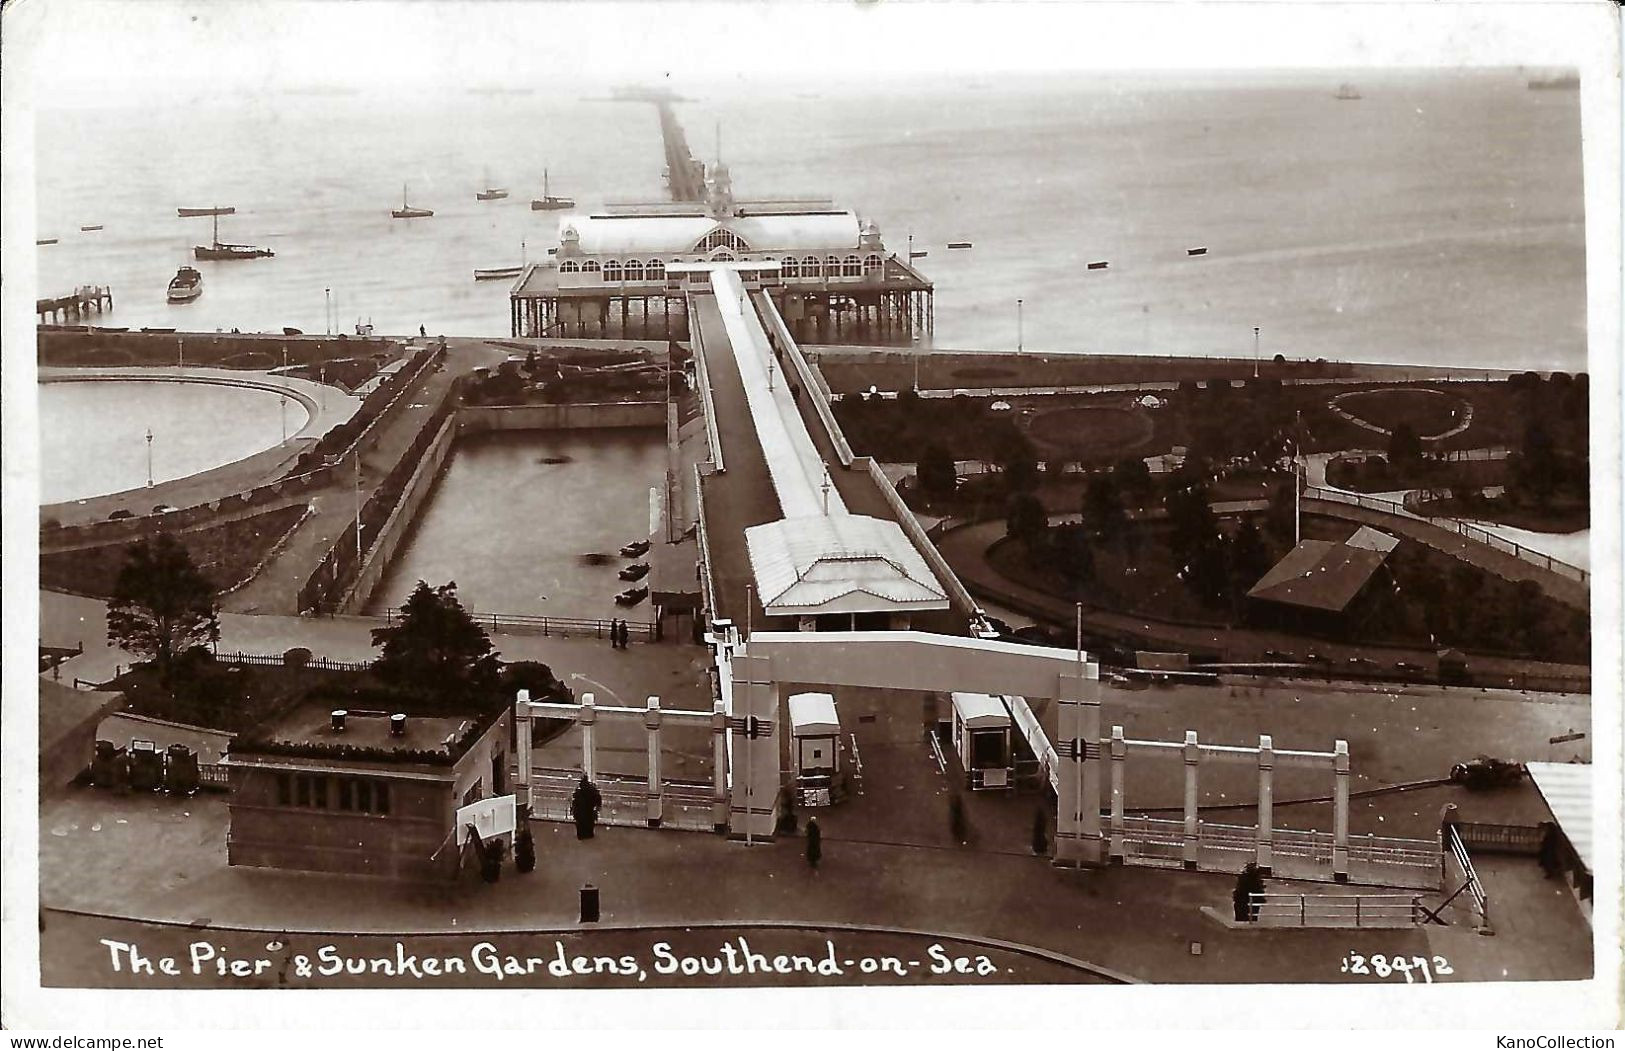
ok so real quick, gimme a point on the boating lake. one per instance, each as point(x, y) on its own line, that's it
point(515, 530)
point(93, 434)
point(1437, 220)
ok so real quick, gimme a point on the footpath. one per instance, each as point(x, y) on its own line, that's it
point(275, 588)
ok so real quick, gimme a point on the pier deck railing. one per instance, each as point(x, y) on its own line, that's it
point(562, 627)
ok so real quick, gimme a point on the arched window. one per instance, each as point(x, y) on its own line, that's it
point(853, 267)
point(872, 263)
point(792, 267)
point(723, 255)
point(656, 270)
point(720, 238)
point(832, 266)
point(590, 267)
point(569, 266)
point(809, 267)
point(634, 270)
point(612, 270)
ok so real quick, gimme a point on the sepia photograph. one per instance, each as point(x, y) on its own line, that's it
point(833, 501)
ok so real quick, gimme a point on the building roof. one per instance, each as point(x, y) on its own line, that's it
point(1320, 574)
point(1367, 539)
point(634, 235)
point(981, 710)
point(839, 564)
point(813, 714)
point(305, 731)
point(1566, 788)
point(66, 713)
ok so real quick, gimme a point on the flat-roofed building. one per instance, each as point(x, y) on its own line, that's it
point(363, 792)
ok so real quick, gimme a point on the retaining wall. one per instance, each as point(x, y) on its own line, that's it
point(399, 522)
point(473, 419)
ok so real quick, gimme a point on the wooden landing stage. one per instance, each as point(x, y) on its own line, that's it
point(76, 304)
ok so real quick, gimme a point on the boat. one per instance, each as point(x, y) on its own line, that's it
point(547, 202)
point(185, 286)
point(1101, 265)
point(490, 193)
point(289, 330)
point(632, 596)
point(958, 244)
point(187, 213)
point(635, 548)
point(221, 250)
point(88, 229)
point(406, 211)
point(495, 273)
point(46, 241)
point(144, 329)
point(1349, 93)
point(918, 255)
point(1196, 251)
point(636, 571)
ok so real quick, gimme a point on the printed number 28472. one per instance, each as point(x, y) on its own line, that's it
point(1381, 966)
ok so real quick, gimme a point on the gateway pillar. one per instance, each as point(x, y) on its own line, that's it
point(756, 748)
point(1078, 840)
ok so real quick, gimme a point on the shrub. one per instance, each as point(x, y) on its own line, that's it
point(297, 657)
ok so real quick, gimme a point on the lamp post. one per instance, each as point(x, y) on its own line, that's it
point(1255, 352)
point(180, 351)
point(328, 293)
point(1018, 327)
point(149, 457)
point(283, 407)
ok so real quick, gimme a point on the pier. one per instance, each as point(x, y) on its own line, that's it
point(685, 176)
point(76, 304)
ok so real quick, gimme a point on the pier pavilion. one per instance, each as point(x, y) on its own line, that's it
point(611, 274)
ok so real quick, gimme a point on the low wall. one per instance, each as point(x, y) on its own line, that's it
point(472, 419)
point(96, 346)
point(400, 520)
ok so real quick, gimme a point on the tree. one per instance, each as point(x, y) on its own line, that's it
point(936, 471)
point(437, 649)
point(1132, 476)
point(1404, 447)
point(1103, 512)
point(1248, 557)
point(162, 604)
point(1025, 519)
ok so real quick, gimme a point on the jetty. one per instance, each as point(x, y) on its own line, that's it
point(76, 304)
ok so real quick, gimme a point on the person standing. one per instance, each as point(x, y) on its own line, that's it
point(614, 636)
point(815, 843)
point(584, 806)
point(626, 636)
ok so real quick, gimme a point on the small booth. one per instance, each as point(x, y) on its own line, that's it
point(815, 736)
point(982, 740)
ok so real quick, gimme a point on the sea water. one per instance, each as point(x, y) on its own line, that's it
point(1438, 220)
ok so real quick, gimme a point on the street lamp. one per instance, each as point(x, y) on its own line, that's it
point(1018, 327)
point(328, 293)
point(1255, 352)
point(283, 406)
point(149, 457)
point(180, 351)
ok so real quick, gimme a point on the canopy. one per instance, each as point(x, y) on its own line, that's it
point(1566, 787)
point(981, 711)
point(813, 715)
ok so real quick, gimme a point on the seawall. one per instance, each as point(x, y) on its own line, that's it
point(472, 419)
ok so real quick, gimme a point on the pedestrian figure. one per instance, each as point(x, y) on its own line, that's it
point(423, 332)
point(625, 635)
point(1249, 882)
point(614, 635)
point(815, 843)
point(584, 805)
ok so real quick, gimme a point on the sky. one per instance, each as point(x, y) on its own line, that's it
point(76, 52)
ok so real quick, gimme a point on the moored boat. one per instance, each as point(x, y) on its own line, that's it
point(187, 213)
point(1101, 265)
point(220, 250)
point(959, 244)
point(88, 229)
point(635, 548)
point(185, 286)
point(1196, 251)
point(547, 202)
point(406, 211)
point(636, 571)
point(46, 241)
point(632, 596)
point(497, 272)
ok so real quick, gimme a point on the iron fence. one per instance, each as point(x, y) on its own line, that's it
point(1337, 910)
point(560, 627)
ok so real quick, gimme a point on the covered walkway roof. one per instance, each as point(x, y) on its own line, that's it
point(818, 557)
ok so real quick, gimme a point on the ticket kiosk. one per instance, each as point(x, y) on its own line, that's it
point(982, 740)
point(815, 737)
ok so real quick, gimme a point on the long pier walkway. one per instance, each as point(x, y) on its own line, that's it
point(685, 176)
